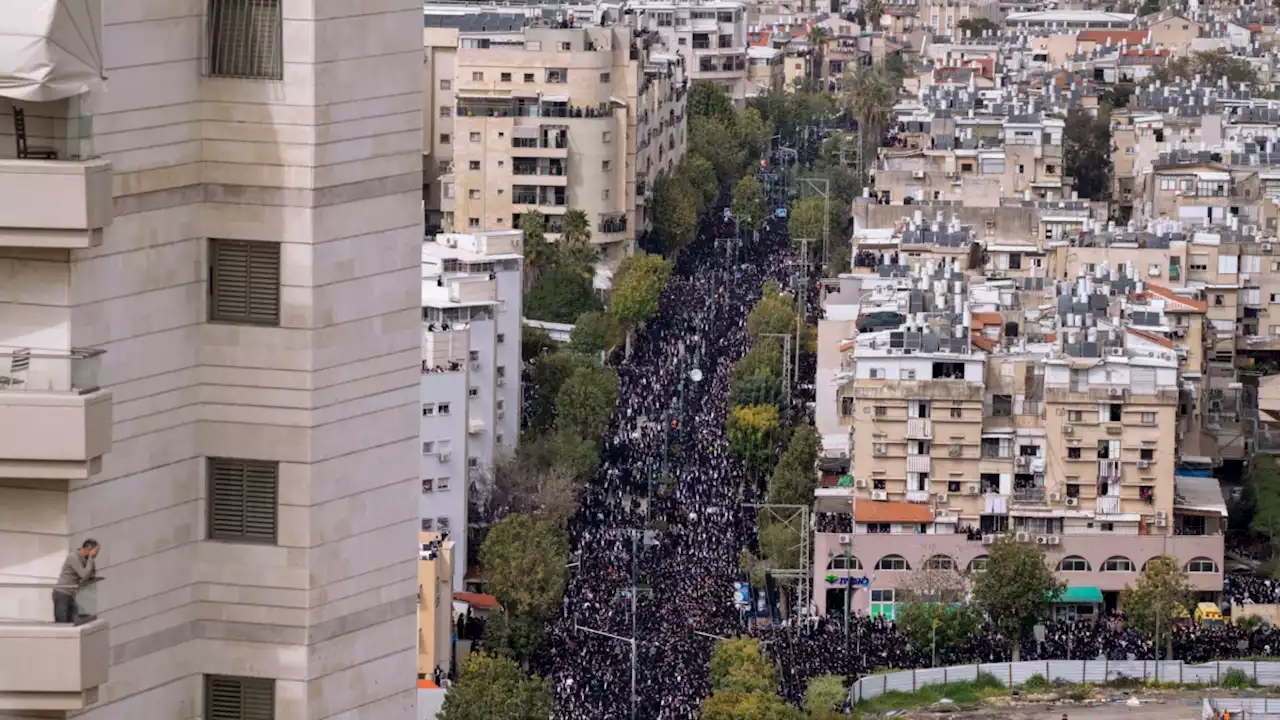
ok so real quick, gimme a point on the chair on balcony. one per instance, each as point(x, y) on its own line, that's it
point(19, 363)
point(25, 151)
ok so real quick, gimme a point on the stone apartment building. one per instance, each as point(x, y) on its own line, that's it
point(527, 117)
point(710, 36)
point(210, 236)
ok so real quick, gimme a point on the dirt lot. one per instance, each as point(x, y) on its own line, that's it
point(1161, 706)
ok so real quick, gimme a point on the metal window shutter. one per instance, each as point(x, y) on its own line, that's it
point(243, 499)
point(245, 38)
point(245, 282)
point(233, 698)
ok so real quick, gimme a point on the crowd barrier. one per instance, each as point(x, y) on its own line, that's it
point(1098, 672)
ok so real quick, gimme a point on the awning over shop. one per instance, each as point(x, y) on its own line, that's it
point(1078, 595)
point(50, 49)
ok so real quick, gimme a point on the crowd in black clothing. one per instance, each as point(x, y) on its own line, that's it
point(666, 467)
point(1250, 590)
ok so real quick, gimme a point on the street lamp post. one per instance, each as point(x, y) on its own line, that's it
point(634, 697)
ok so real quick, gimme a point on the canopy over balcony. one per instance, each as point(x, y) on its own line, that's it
point(50, 49)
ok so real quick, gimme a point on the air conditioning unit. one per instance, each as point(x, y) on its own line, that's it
point(1073, 502)
point(475, 366)
point(972, 489)
point(1144, 464)
point(500, 382)
point(1115, 391)
point(1054, 540)
point(1115, 352)
point(1023, 537)
point(879, 494)
point(845, 540)
point(1154, 271)
point(917, 174)
point(444, 457)
point(1161, 522)
point(988, 539)
point(860, 484)
point(942, 498)
point(1068, 429)
point(1055, 497)
point(955, 451)
point(1042, 539)
point(1022, 461)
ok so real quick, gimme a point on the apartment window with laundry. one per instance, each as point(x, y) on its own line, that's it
point(227, 697)
point(242, 499)
point(244, 282)
point(245, 39)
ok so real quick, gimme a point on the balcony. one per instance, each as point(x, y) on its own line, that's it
point(48, 667)
point(919, 429)
point(55, 421)
point(1028, 495)
point(612, 224)
point(918, 463)
point(54, 204)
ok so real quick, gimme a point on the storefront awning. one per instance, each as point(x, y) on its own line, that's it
point(50, 49)
point(1078, 595)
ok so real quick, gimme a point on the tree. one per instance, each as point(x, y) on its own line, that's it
point(977, 27)
point(523, 559)
point(637, 288)
point(594, 333)
point(539, 255)
point(1015, 589)
point(701, 176)
point(753, 431)
point(824, 696)
point(560, 295)
point(735, 705)
point(749, 205)
point(1264, 491)
point(796, 475)
point(817, 38)
point(1162, 593)
point(1086, 152)
point(738, 664)
point(764, 358)
point(806, 220)
point(1211, 66)
point(547, 375)
point(949, 625)
point(773, 313)
point(585, 402)
point(575, 242)
point(872, 10)
point(760, 389)
point(709, 100)
point(675, 212)
point(536, 342)
point(873, 90)
point(752, 133)
point(495, 688)
point(517, 637)
point(713, 139)
point(529, 482)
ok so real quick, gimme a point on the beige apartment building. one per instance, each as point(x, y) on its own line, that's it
point(549, 119)
point(1063, 433)
point(711, 34)
point(210, 232)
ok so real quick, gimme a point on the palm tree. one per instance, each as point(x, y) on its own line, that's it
point(873, 90)
point(539, 255)
point(871, 11)
point(575, 242)
point(817, 38)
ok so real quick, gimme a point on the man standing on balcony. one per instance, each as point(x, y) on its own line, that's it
point(79, 570)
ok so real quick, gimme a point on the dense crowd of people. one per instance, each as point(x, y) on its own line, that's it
point(1250, 589)
point(665, 510)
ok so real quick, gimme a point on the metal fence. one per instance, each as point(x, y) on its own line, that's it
point(1098, 672)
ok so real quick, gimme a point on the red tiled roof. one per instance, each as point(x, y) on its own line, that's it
point(1164, 341)
point(982, 319)
point(479, 601)
point(987, 344)
point(427, 685)
point(1128, 37)
point(1166, 293)
point(763, 41)
point(871, 511)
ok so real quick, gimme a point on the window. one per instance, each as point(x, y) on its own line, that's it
point(1074, 563)
point(846, 406)
point(473, 223)
point(428, 447)
point(428, 485)
point(1113, 412)
point(506, 77)
point(979, 563)
point(502, 337)
point(606, 136)
point(1148, 418)
point(528, 77)
point(446, 111)
point(442, 522)
point(940, 562)
point(606, 166)
point(445, 139)
point(604, 194)
point(956, 413)
point(428, 409)
point(892, 562)
point(1118, 564)
point(475, 137)
point(428, 525)
point(244, 39)
point(1219, 300)
point(1107, 527)
point(442, 483)
point(1147, 454)
point(878, 528)
point(882, 604)
point(473, 165)
point(443, 408)
point(239, 698)
point(473, 194)
point(473, 462)
point(879, 448)
point(604, 77)
point(473, 392)
point(446, 84)
point(444, 167)
point(1202, 565)
point(844, 562)
point(1073, 453)
point(244, 282)
point(881, 411)
point(242, 499)
point(477, 76)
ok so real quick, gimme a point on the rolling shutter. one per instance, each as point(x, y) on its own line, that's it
point(244, 39)
point(243, 500)
point(244, 282)
point(239, 698)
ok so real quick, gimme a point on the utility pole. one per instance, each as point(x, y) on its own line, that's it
point(786, 366)
point(634, 697)
point(825, 192)
point(802, 293)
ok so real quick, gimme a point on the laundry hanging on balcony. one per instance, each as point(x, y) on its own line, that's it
point(50, 49)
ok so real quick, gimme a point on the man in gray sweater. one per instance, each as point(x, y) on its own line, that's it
point(79, 570)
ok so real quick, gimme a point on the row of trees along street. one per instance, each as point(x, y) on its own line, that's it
point(520, 514)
